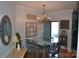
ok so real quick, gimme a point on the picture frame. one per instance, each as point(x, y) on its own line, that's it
point(64, 24)
point(31, 29)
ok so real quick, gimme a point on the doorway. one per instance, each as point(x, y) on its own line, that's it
point(51, 32)
point(55, 32)
point(54, 48)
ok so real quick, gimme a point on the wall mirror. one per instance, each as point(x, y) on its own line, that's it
point(5, 30)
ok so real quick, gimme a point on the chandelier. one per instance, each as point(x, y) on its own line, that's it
point(44, 17)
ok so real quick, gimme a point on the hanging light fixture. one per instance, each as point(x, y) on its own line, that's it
point(44, 17)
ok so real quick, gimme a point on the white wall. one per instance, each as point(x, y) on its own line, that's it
point(20, 23)
point(7, 8)
point(64, 15)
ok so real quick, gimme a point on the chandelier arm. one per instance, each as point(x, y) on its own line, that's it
point(43, 9)
point(44, 17)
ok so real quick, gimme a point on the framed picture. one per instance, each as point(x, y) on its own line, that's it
point(31, 29)
point(64, 24)
point(31, 16)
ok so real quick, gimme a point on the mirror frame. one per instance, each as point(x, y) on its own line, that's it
point(6, 29)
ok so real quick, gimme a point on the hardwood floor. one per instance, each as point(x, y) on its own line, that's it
point(35, 55)
point(62, 54)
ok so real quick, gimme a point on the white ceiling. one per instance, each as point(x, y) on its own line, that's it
point(50, 5)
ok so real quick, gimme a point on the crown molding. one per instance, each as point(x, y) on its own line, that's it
point(19, 6)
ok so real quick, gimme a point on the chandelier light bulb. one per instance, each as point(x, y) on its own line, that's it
point(44, 17)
